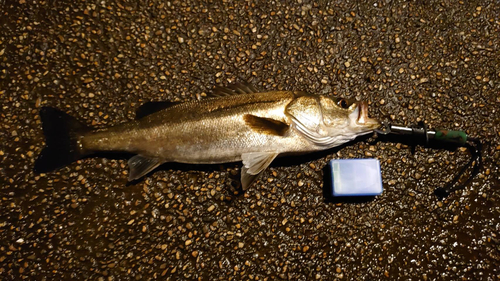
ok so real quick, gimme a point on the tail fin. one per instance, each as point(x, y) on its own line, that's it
point(62, 134)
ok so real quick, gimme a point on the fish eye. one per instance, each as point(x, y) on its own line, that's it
point(343, 103)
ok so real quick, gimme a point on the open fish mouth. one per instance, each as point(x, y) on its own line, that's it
point(363, 118)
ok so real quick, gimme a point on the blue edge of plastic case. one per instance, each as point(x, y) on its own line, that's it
point(356, 177)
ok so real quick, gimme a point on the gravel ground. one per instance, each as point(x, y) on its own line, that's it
point(436, 61)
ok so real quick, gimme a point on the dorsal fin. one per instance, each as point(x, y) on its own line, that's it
point(265, 125)
point(152, 107)
point(234, 89)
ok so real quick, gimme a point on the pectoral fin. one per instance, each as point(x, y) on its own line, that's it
point(266, 125)
point(140, 165)
point(254, 163)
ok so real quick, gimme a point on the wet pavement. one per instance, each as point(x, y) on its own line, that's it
point(436, 61)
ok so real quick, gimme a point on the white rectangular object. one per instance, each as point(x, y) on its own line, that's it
point(356, 177)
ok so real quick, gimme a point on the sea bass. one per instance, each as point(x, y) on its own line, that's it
point(237, 123)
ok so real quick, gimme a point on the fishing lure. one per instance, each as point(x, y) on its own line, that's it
point(420, 135)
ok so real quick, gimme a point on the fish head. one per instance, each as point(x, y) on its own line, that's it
point(341, 112)
point(330, 121)
point(346, 116)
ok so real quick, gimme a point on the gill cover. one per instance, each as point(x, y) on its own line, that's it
point(317, 118)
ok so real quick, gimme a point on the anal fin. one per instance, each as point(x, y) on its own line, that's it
point(140, 165)
point(254, 163)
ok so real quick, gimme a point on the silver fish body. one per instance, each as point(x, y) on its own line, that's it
point(253, 127)
point(206, 132)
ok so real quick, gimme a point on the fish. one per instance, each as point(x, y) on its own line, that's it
point(234, 123)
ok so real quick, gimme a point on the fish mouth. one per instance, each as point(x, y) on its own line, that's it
point(363, 118)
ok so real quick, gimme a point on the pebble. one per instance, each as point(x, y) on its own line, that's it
point(424, 80)
point(99, 61)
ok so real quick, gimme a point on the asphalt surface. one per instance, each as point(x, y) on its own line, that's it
point(432, 61)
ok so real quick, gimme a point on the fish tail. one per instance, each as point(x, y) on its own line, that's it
point(62, 140)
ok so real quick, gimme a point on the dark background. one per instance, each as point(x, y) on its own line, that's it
point(436, 61)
